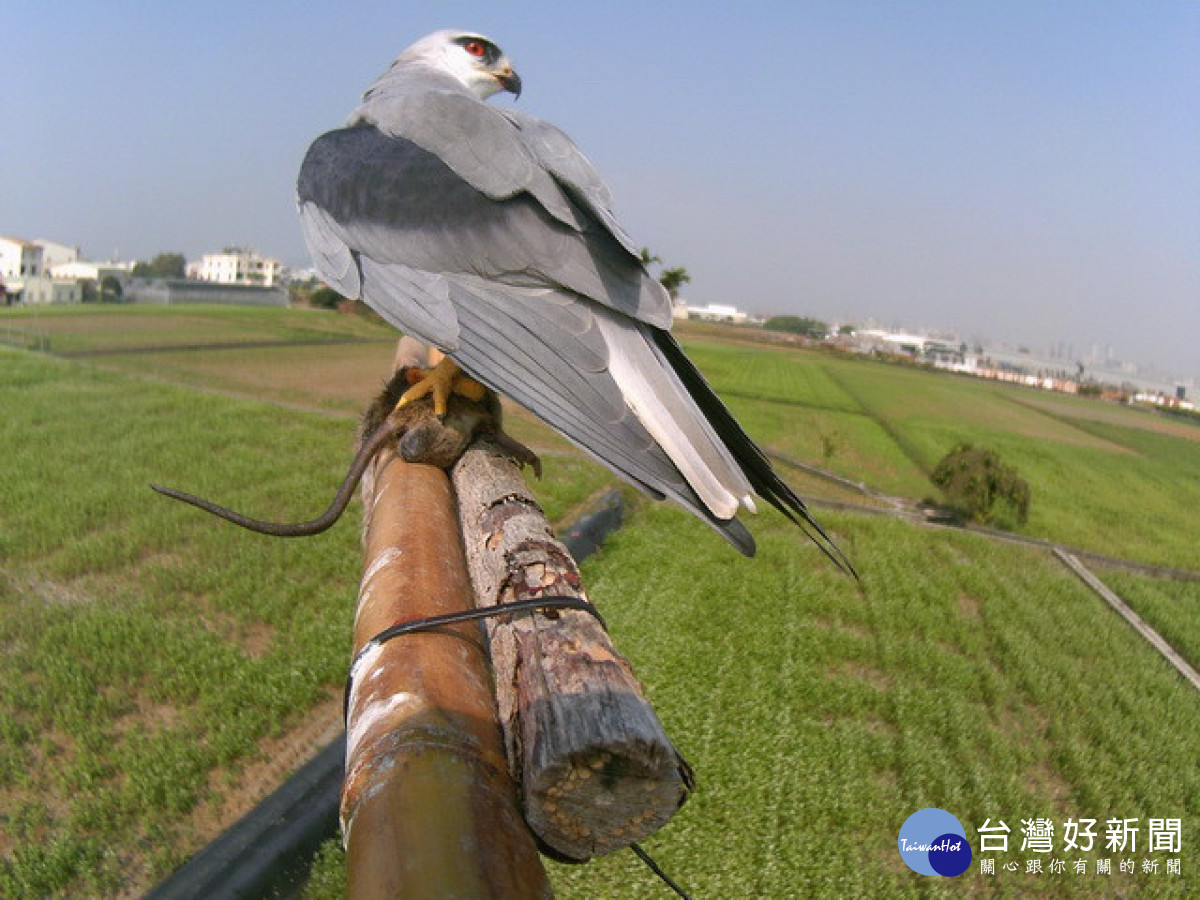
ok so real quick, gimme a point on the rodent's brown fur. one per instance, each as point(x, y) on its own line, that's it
point(422, 438)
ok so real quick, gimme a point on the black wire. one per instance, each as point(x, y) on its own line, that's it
point(653, 866)
point(466, 615)
point(500, 609)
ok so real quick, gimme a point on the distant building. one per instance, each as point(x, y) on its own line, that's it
point(83, 269)
point(947, 356)
point(715, 312)
point(26, 278)
point(875, 341)
point(1177, 400)
point(56, 254)
point(42, 289)
point(173, 291)
point(19, 259)
point(238, 265)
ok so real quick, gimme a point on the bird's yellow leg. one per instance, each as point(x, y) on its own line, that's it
point(440, 382)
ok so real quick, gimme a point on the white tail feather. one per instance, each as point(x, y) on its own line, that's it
point(664, 407)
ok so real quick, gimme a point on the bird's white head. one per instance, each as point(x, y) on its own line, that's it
point(473, 60)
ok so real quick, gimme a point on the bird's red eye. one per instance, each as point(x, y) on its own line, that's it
point(475, 48)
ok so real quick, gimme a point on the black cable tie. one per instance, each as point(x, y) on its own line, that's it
point(654, 867)
point(466, 615)
point(487, 612)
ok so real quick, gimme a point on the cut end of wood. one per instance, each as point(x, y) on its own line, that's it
point(604, 801)
point(598, 772)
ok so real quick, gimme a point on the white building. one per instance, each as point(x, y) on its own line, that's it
point(25, 276)
point(716, 312)
point(56, 254)
point(892, 341)
point(43, 289)
point(19, 259)
point(93, 271)
point(237, 265)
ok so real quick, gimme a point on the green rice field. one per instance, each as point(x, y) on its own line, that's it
point(162, 671)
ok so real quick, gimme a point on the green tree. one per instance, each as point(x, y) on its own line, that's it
point(977, 483)
point(110, 290)
point(649, 259)
point(673, 279)
point(164, 265)
point(325, 298)
point(813, 328)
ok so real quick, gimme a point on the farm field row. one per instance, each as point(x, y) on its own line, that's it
point(1105, 478)
point(153, 655)
point(106, 328)
point(1116, 481)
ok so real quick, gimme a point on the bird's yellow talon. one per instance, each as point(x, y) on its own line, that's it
point(469, 388)
point(440, 382)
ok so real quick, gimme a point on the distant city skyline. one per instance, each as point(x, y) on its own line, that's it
point(1053, 353)
point(1062, 352)
point(1099, 362)
point(1023, 171)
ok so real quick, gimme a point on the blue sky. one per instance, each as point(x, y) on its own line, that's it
point(1018, 171)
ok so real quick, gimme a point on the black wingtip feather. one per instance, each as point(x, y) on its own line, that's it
point(763, 478)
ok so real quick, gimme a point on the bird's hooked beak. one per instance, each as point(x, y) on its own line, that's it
point(509, 79)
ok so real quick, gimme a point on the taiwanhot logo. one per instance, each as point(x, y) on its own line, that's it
point(933, 842)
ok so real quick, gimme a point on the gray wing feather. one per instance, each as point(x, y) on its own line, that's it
point(479, 143)
point(332, 258)
point(558, 154)
point(654, 391)
point(495, 243)
point(416, 302)
point(544, 364)
point(396, 202)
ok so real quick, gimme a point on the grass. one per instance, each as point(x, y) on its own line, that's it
point(1104, 478)
point(146, 649)
point(149, 651)
point(984, 680)
point(109, 328)
point(1171, 607)
point(152, 655)
point(981, 679)
point(350, 376)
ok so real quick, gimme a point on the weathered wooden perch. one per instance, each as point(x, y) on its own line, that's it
point(596, 770)
point(428, 807)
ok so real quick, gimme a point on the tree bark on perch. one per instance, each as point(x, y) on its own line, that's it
point(596, 769)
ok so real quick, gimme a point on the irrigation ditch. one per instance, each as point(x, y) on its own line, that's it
point(215, 345)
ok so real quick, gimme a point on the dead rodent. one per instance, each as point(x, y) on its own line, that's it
point(421, 438)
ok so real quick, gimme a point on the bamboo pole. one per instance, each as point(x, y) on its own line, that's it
point(428, 809)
